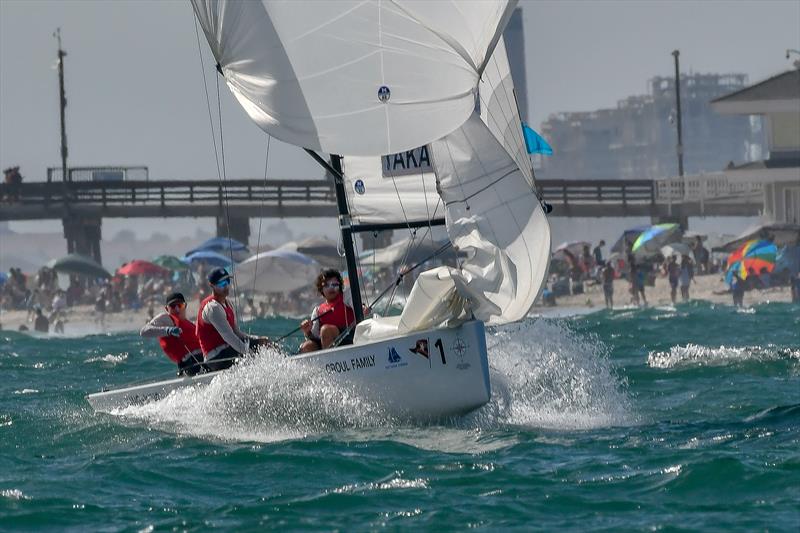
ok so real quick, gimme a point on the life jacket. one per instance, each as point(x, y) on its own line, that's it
point(336, 313)
point(207, 334)
point(177, 348)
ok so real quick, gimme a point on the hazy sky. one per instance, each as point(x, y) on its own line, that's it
point(136, 97)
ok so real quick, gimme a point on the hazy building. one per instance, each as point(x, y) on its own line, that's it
point(637, 139)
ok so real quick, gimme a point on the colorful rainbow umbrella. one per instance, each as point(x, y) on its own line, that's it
point(653, 238)
point(755, 255)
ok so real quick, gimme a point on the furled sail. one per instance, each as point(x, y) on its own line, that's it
point(394, 188)
point(354, 77)
point(494, 218)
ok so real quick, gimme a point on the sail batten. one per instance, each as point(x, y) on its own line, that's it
point(354, 77)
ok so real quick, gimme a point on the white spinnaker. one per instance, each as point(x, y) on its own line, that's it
point(493, 217)
point(310, 72)
point(492, 211)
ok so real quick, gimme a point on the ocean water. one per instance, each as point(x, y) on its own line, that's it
point(684, 418)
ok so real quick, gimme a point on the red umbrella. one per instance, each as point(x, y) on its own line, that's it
point(138, 267)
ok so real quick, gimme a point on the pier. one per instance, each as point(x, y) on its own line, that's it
point(81, 202)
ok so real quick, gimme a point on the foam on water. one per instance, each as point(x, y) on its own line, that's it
point(698, 355)
point(543, 375)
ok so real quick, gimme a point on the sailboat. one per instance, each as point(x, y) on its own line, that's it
point(418, 97)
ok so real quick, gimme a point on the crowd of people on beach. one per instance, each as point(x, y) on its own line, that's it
point(574, 274)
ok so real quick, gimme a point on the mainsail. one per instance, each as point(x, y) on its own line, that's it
point(494, 217)
point(351, 76)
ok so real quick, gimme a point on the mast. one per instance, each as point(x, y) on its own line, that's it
point(62, 104)
point(335, 169)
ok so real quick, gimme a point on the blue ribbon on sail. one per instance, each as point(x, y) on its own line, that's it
point(534, 142)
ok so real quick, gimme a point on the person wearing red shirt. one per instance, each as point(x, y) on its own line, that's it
point(220, 338)
point(330, 318)
point(176, 335)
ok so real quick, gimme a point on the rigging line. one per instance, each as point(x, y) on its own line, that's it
point(220, 173)
point(225, 196)
point(400, 201)
point(261, 218)
point(208, 98)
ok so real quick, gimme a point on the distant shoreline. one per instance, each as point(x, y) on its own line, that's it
point(83, 320)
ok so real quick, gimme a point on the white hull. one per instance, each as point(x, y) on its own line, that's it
point(393, 373)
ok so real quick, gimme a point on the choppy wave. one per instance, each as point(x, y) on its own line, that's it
point(698, 355)
point(543, 375)
point(108, 358)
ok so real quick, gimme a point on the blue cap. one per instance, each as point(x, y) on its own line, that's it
point(217, 275)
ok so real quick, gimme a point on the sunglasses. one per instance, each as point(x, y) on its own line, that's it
point(224, 283)
point(332, 285)
point(177, 305)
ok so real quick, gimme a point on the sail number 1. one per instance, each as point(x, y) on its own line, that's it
point(439, 345)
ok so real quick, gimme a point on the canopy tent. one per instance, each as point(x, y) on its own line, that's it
point(79, 265)
point(276, 271)
point(138, 267)
point(170, 262)
point(779, 234)
point(208, 257)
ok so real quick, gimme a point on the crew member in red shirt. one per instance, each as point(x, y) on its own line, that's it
point(220, 338)
point(330, 318)
point(176, 335)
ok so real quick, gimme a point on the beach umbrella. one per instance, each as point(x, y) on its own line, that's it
point(574, 248)
point(78, 265)
point(406, 251)
point(170, 262)
point(223, 246)
point(755, 255)
point(3, 278)
point(208, 257)
point(628, 236)
point(138, 267)
point(653, 238)
point(324, 251)
point(676, 248)
point(276, 271)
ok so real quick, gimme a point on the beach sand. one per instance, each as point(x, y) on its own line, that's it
point(708, 288)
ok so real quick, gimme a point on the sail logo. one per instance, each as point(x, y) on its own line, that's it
point(384, 94)
point(410, 162)
point(359, 187)
point(394, 359)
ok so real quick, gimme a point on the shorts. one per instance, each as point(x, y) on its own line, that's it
point(224, 359)
point(191, 365)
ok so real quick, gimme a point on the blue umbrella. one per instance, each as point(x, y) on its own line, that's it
point(221, 245)
point(3, 278)
point(209, 257)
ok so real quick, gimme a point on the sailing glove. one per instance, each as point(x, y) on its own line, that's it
point(174, 331)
